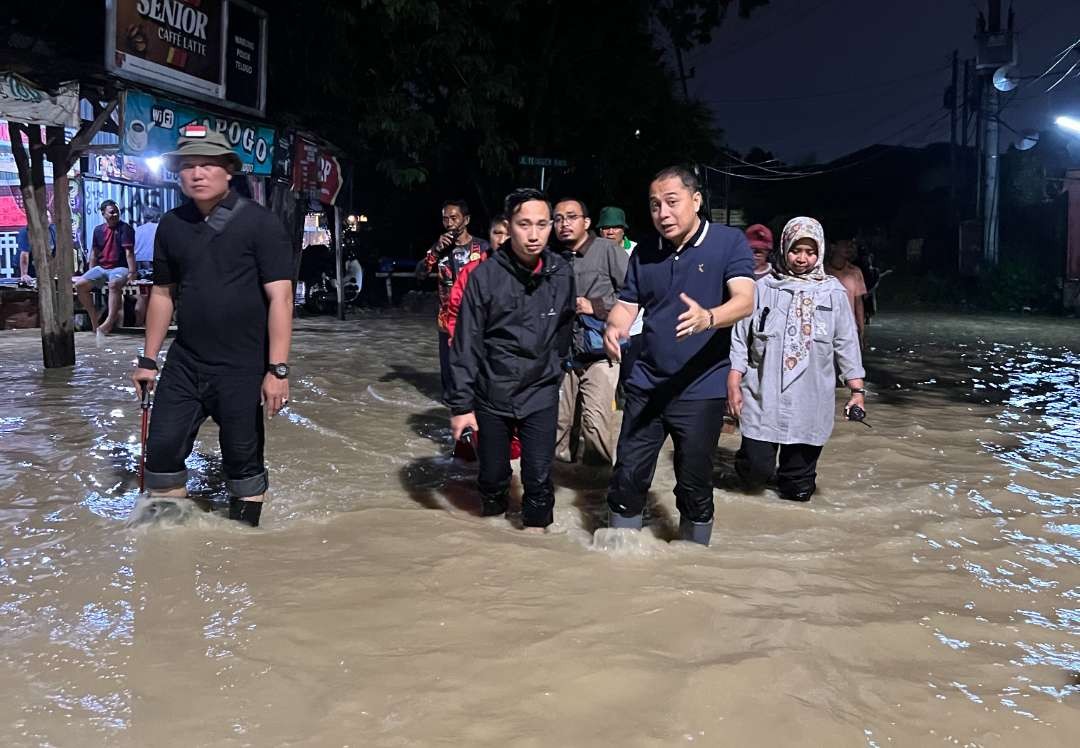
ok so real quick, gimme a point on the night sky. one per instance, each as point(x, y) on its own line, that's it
point(895, 53)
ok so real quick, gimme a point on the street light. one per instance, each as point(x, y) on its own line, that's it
point(1068, 123)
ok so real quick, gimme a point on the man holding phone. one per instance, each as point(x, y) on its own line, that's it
point(454, 249)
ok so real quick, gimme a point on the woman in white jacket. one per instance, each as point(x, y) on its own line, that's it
point(783, 366)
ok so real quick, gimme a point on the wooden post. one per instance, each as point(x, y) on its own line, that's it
point(64, 259)
point(54, 292)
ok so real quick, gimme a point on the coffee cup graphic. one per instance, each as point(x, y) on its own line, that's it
point(137, 136)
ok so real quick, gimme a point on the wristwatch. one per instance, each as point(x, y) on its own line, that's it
point(858, 390)
point(281, 371)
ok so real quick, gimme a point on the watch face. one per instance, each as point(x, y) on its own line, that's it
point(281, 370)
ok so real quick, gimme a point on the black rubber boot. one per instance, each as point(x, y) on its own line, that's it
point(493, 505)
point(799, 496)
point(245, 511)
point(695, 532)
point(618, 522)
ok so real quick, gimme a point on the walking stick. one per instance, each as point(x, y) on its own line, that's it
point(145, 428)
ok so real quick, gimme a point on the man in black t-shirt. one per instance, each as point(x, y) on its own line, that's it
point(229, 262)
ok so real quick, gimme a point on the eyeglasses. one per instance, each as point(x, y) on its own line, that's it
point(568, 218)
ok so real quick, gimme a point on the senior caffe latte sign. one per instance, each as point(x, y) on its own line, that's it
point(211, 49)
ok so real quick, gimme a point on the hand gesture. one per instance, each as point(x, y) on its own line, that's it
point(694, 319)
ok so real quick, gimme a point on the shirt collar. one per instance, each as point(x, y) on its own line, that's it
point(694, 241)
point(580, 251)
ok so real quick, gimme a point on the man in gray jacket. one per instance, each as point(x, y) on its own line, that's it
point(587, 398)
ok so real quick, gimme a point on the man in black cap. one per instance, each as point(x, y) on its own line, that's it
point(229, 262)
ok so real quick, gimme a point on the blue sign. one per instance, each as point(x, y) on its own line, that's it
point(152, 127)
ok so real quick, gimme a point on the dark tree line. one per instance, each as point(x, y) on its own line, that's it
point(438, 99)
point(433, 98)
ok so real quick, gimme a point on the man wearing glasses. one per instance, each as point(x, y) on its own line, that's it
point(587, 397)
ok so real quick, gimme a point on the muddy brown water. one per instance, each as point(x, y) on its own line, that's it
point(928, 595)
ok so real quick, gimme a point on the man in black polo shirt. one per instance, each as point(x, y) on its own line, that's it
point(229, 262)
point(694, 284)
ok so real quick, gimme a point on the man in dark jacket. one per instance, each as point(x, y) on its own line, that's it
point(506, 362)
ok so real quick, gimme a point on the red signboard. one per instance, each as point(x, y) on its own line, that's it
point(315, 172)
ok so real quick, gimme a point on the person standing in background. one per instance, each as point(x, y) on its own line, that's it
point(587, 398)
point(454, 249)
point(611, 223)
point(840, 265)
point(144, 258)
point(761, 244)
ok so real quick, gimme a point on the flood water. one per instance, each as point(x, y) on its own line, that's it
point(928, 595)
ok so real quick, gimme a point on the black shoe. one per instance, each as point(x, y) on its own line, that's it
point(245, 511)
point(798, 496)
point(491, 506)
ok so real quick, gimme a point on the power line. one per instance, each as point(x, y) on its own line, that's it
point(842, 92)
point(803, 175)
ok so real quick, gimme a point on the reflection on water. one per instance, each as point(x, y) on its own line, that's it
point(929, 594)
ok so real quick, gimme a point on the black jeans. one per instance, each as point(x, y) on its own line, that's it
point(183, 399)
point(648, 419)
point(537, 434)
point(755, 463)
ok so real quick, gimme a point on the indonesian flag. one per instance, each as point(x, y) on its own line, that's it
point(194, 131)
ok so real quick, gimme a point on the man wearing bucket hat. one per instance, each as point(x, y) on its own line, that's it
point(229, 262)
point(612, 225)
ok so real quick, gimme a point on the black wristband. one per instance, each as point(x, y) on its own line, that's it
point(147, 363)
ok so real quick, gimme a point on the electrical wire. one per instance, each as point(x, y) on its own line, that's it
point(803, 175)
point(827, 94)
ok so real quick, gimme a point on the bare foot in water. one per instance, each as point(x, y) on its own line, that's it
point(535, 530)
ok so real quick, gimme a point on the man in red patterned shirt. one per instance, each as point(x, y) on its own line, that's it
point(454, 249)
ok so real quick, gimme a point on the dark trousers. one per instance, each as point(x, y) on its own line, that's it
point(537, 434)
point(183, 399)
point(444, 363)
point(755, 463)
point(694, 427)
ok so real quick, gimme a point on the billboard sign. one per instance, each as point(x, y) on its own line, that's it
point(152, 126)
point(210, 49)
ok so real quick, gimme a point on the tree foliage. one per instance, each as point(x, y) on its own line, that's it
point(420, 84)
